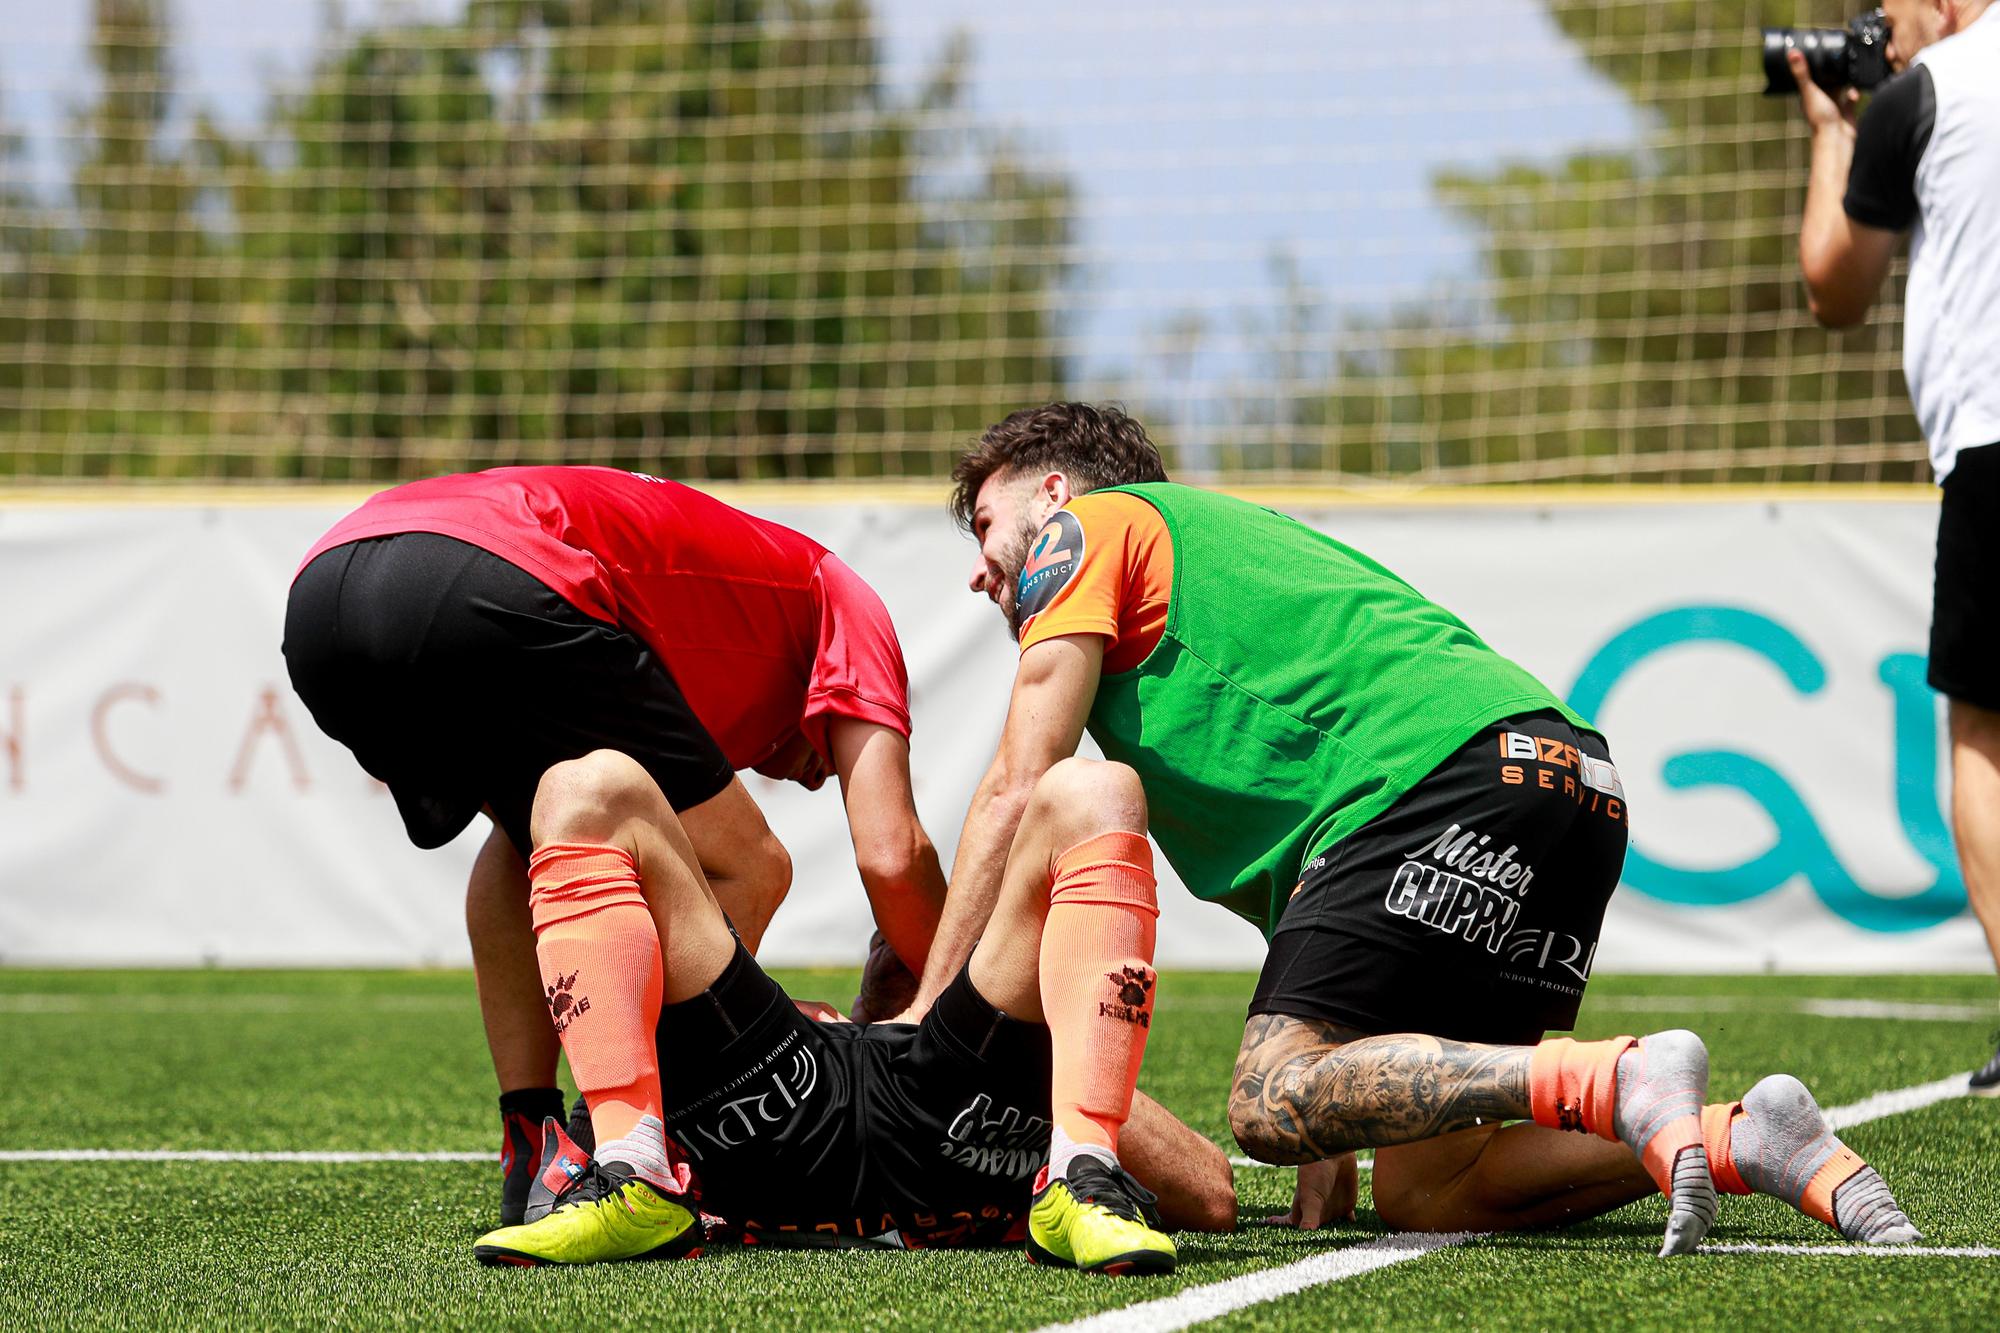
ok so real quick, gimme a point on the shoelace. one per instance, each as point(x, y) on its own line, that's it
point(1115, 1192)
point(590, 1187)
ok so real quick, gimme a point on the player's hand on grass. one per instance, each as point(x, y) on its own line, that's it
point(887, 986)
point(1326, 1192)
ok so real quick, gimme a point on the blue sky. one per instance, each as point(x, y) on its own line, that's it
point(1206, 137)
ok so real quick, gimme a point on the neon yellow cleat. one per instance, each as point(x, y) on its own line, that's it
point(1100, 1220)
point(605, 1216)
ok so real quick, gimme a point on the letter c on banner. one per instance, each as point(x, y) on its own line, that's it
point(1800, 848)
point(100, 735)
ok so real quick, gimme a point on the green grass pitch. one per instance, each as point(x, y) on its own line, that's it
point(393, 1061)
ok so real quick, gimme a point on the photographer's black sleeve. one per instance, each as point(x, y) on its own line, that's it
point(1895, 130)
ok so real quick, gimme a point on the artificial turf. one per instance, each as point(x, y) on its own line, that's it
point(262, 1061)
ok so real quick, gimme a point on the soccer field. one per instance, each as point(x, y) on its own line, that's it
point(367, 1063)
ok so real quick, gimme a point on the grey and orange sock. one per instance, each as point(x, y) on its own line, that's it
point(1646, 1094)
point(1776, 1141)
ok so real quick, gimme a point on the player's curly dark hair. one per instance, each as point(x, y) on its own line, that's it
point(1093, 446)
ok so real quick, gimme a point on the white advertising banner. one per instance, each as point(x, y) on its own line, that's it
point(1757, 665)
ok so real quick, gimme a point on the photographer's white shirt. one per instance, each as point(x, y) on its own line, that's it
point(1928, 157)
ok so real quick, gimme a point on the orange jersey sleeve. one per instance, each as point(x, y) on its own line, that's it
point(1103, 564)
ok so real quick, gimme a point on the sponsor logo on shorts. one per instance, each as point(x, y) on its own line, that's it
point(565, 1008)
point(1008, 1145)
point(1134, 985)
point(1558, 961)
point(1452, 903)
point(1471, 854)
point(1559, 767)
point(766, 1097)
point(1053, 558)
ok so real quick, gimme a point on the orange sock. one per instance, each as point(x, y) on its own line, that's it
point(601, 968)
point(1574, 1084)
point(1716, 1118)
point(1097, 982)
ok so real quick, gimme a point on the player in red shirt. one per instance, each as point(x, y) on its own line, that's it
point(465, 634)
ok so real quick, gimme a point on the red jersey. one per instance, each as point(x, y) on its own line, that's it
point(766, 631)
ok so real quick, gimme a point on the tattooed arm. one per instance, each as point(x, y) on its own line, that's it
point(1307, 1089)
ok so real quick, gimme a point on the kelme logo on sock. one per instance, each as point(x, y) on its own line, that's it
point(1134, 985)
point(565, 1008)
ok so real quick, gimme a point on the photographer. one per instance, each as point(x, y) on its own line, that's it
point(1926, 159)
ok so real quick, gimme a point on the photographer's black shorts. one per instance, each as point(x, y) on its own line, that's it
point(924, 1135)
point(459, 679)
point(1469, 909)
point(1965, 610)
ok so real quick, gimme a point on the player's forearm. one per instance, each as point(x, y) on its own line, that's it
point(976, 874)
point(908, 902)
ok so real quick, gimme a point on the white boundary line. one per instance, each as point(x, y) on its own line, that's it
point(1897, 1010)
point(246, 1002)
point(1898, 1102)
point(1198, 1304)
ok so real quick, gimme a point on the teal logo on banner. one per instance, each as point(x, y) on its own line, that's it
point(1800, 848)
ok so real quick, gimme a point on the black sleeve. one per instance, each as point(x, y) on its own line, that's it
point(1895, 130)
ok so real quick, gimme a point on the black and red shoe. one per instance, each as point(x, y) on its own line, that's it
point(521, 1115)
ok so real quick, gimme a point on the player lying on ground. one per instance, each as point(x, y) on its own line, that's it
point(464, 633)
point(710, 1091)
point(1424, 832)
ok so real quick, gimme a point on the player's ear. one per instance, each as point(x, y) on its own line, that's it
point(1056, 490)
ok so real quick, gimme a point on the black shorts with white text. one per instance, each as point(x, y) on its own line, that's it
point(1469, 909)
point(919, 1135)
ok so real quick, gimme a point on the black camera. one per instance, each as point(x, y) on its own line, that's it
point(1856, 56)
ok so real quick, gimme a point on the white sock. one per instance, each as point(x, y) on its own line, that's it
point(643, 1152)
point(1063, 1150)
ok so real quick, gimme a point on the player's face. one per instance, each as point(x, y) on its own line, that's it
point(1006, 514)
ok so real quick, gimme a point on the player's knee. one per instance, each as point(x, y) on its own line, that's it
point(1212, 1206)
point(771, 871)
point(585, 799)
point(1093, 796)
point(1404, 1205)
point(1258, 1134)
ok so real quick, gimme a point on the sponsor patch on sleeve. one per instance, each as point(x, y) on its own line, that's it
point(1053, 559)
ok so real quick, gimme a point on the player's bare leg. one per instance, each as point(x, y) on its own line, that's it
point(1070, 945)
point(1500, 1178)
point(1308, 1090)
point(747, 868)
point(1975, 825)
point(511, 1002)
point(519, 1035)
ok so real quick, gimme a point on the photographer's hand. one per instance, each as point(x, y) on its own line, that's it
point(1842, 261)
point(1823, 112)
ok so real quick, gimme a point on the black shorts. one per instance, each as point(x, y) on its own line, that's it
point(1965, 607)
point(459, 679)
point(922, 1135)
point(1470, 908)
